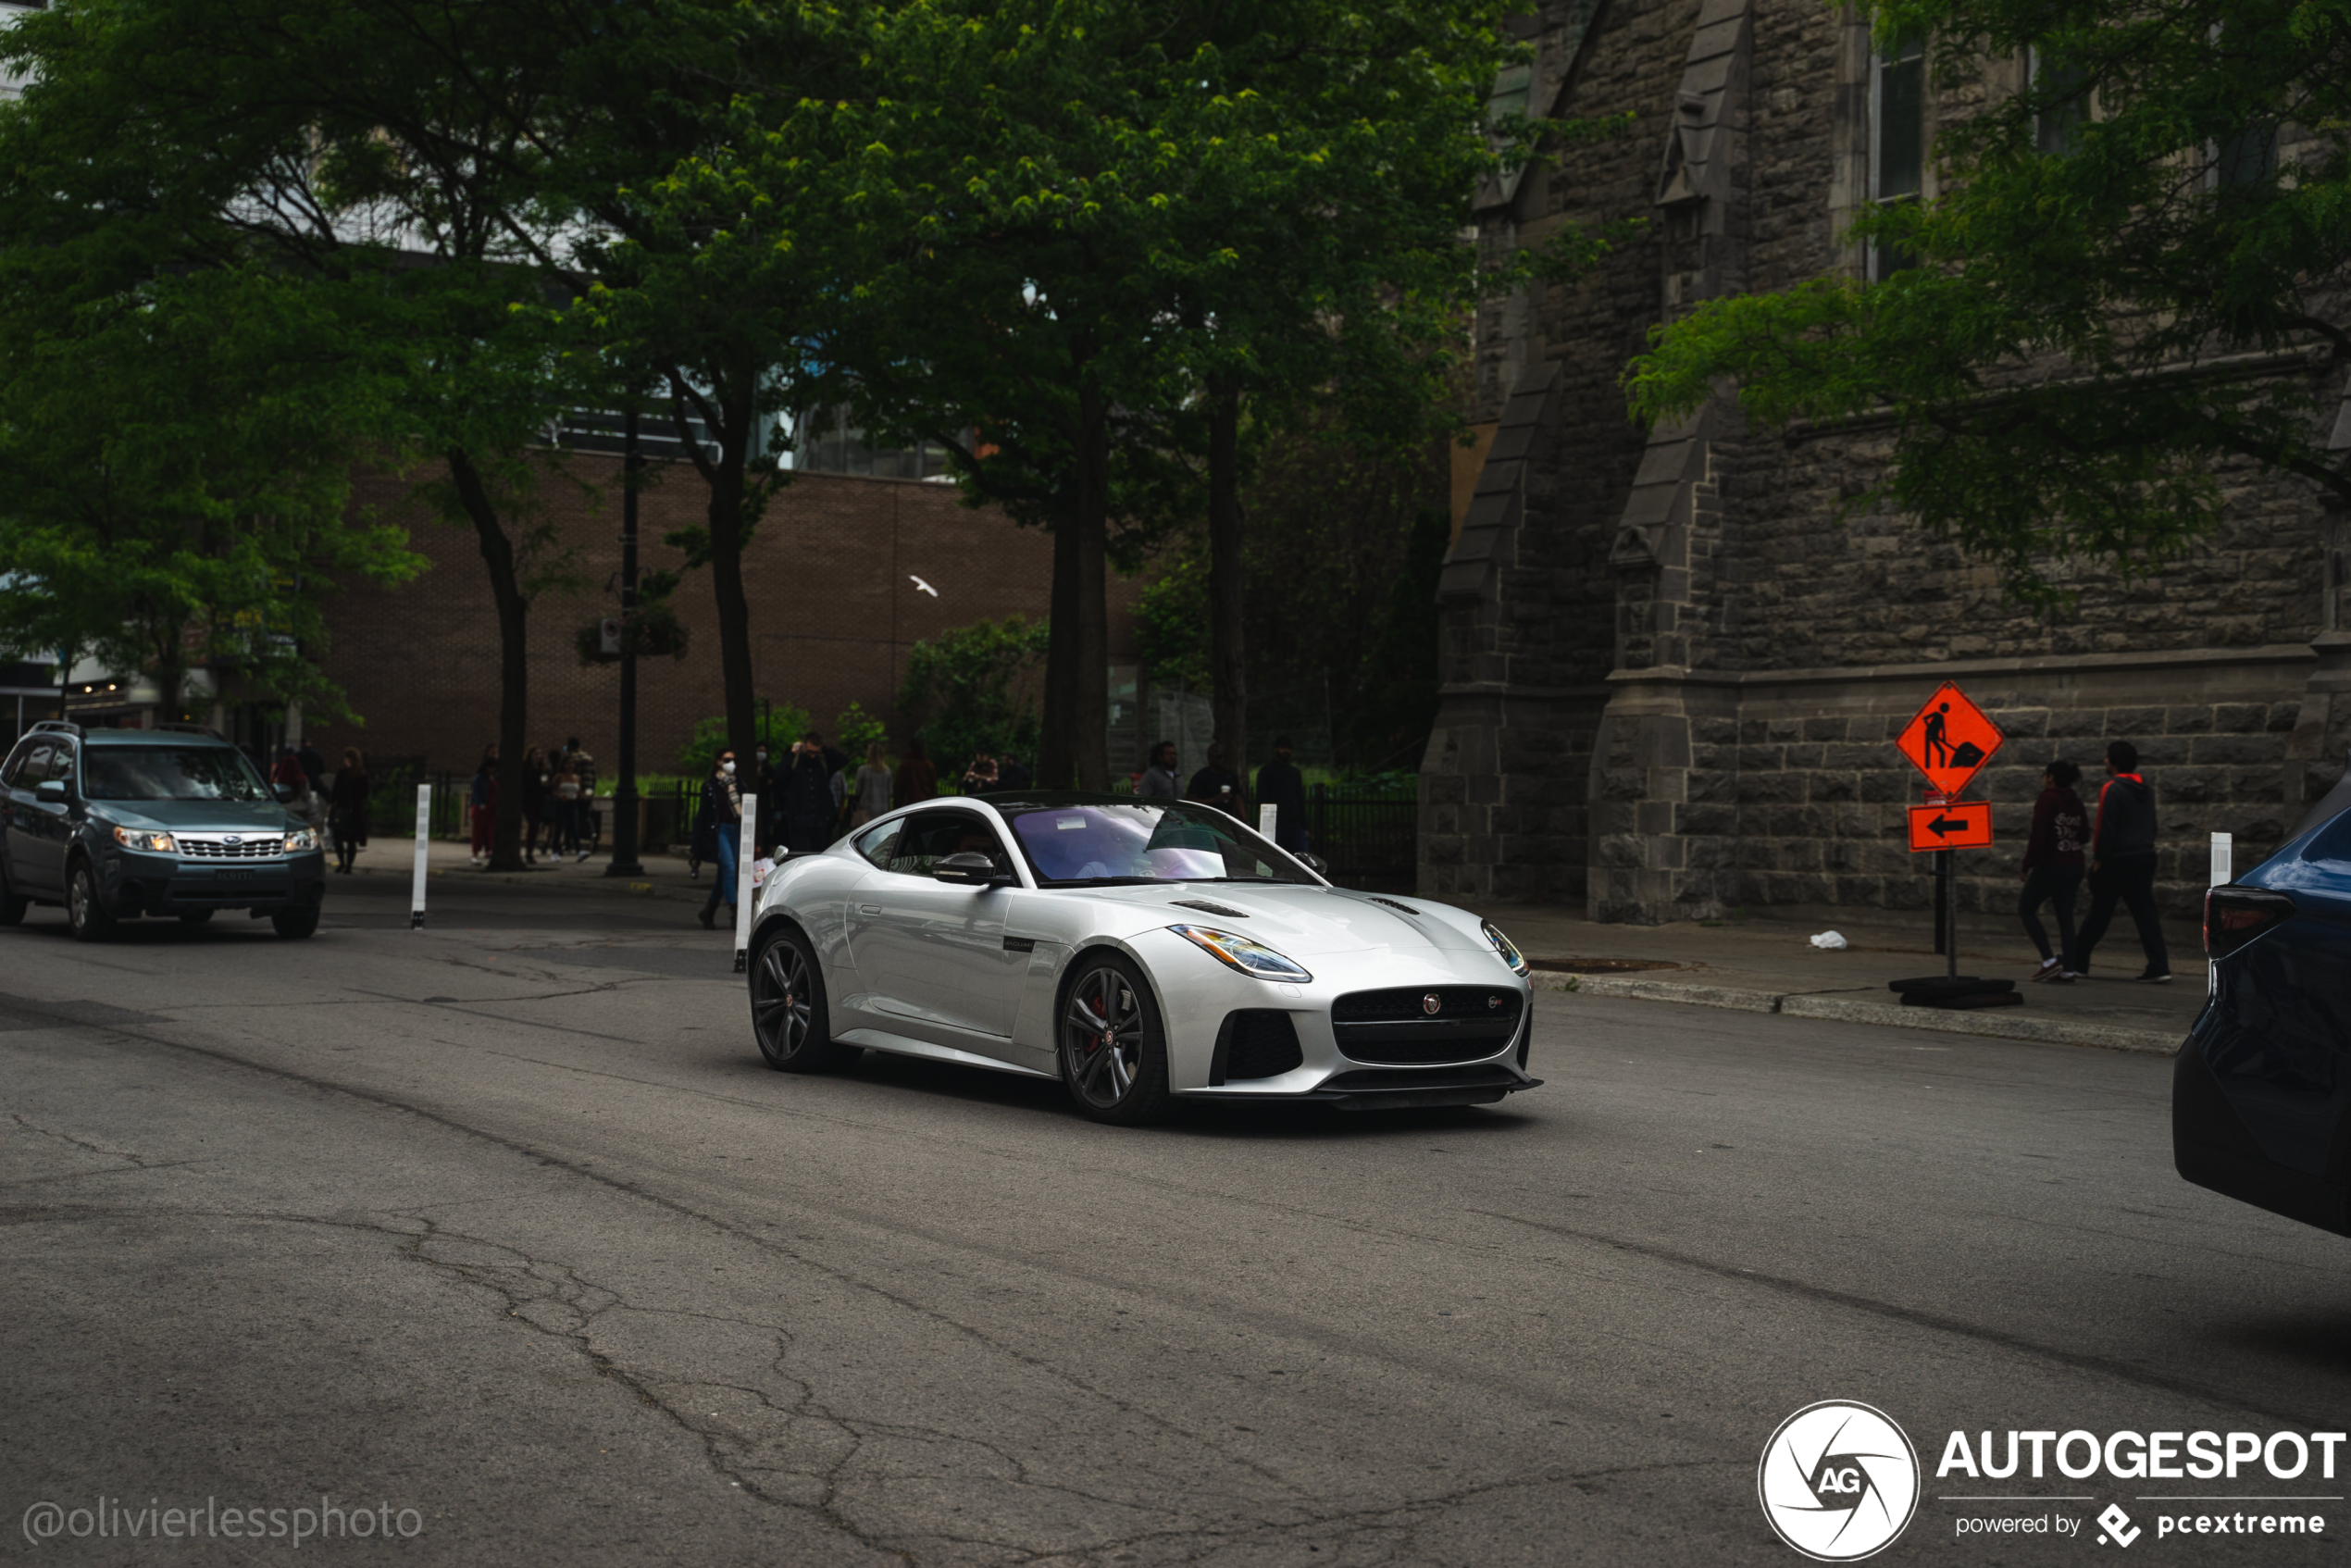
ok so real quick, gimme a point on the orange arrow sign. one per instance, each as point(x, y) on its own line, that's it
point(1950, 739)
point(1967, 826)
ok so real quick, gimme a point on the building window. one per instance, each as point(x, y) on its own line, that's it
point(1898, 139)
point(2057, 128)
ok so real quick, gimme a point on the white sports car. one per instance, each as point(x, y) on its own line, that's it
point(1139, 950)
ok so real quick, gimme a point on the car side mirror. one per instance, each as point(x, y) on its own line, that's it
point(50, 790)
point(1314, 863)
point(967, 868)
point(283, 791)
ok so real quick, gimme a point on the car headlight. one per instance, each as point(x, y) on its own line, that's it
point(139, 838)
point(302, 839)
point(1507, 947)
point(1250, 958)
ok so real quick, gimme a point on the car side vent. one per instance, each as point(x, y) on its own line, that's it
point(1256, 1042)
point(1207, 908)
point(1393, 904)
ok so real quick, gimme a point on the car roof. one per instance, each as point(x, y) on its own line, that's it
point(178, 738)
point(1046, 800)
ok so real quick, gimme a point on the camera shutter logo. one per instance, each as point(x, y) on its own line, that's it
point(1838, 1481)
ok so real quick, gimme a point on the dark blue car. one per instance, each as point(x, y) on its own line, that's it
point(2262, 1094)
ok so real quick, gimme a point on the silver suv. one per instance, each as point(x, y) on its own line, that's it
point(118, 823)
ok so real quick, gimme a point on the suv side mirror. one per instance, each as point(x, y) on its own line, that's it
point(1314, 863)
point(283, 791)
point(967, 868)
point(50, 790)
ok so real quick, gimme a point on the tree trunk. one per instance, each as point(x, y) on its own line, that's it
point(1090, 649)
point(731, 517)
point(1056, 763)
point(514, 656)
point(1228, 664)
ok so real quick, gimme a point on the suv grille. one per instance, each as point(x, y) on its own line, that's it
point(214, 846)
point(1398, 1026)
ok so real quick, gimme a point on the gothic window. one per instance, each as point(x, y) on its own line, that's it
point(1898, 139)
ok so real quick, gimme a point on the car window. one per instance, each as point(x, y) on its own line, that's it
point(1150, 842)
point(877, 844)
point(33, 766)
point(933, 836)
point(61, 763)
point(173, 773)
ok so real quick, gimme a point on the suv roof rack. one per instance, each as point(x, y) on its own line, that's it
point(177, 729)
point(59, 725)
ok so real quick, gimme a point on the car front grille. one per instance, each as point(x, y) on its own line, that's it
point(215, 846)
point(1256, 1042)
point(1399, 1026)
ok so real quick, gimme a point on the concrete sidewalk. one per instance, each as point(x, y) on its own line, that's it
point(1770, 966)
point(666, 874)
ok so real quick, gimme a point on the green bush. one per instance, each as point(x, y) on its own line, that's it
point(969, 690)
point(855, 730)
point(710, 737)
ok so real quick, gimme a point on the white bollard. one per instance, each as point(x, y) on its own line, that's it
point(2223, 871)
point(424, 841)
point(746, 850)
point(1266, 818)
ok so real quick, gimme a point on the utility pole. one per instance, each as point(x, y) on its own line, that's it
point(624, 798)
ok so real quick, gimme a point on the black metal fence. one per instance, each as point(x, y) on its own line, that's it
point(1368, 841)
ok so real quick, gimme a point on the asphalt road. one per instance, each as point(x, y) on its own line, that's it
point(505, 1223)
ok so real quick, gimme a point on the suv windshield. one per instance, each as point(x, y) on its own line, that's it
point(170, 773)
point(1153, 841)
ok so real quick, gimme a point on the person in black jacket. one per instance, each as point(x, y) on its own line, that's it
point(2053, 867)
point(2122, 862)
point(1281, 786)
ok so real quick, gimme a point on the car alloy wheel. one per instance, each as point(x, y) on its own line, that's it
point(788, 1015)
point(85, 916)
point(1112, 1057)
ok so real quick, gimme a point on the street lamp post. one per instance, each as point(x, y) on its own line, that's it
point(624, 800)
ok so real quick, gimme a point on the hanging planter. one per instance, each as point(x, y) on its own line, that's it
point(652, 630)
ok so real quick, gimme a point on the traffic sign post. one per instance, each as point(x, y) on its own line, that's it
point(1966, 824)
point(1950, 739)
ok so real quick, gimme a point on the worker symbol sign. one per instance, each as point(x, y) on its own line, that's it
point(1950, 739)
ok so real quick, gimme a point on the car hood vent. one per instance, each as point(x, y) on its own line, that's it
point(1207, 908)
point(1391, 904)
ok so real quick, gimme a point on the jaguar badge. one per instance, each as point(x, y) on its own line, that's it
point(1432, 1003)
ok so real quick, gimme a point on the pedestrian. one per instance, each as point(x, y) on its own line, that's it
point(2122, 863)
point(763, 774)
point(583, 802)
point(917, 780)
point(1011, 775)
point(2052, 869)
point(1216, 785)
point(482, 803)
point(534, 802)
point(980, 777)
point(806, 792)
point(313, 767)
point(563, 831)
point(1281, 786)
point(1159, 779)
point(873, 788)
point(349, 812)
point(288, 770)
point(722, 804)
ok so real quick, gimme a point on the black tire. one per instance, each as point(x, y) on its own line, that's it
point(194, 916)
point(789, 1018)
point(295, 924)
point(12, 903)
point(1112, 1049)
point(86, 916)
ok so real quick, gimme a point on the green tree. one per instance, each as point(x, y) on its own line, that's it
point(2133, 277)
point(970, 690)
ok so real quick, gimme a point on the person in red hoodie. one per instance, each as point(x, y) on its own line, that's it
point(2053, 867)
point(2122, 863)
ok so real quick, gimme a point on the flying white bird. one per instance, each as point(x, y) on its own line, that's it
point(921, 584)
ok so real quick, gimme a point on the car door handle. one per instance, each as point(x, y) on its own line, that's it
point(869, 909)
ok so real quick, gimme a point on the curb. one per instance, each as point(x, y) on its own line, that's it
point(2001, 1023)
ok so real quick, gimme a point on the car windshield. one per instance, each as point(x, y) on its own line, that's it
point(170, 773)
point(1150, 842)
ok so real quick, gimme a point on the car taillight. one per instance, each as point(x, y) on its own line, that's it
point(2234, 916)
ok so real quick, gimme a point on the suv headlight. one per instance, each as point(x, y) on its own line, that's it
point(153, 843)
point(301, 838)
point(1250, 958)
point(1507, 947)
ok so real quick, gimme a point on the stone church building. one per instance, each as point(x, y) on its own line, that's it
point(1672, 668)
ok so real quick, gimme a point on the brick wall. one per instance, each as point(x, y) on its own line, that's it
point(827, 574)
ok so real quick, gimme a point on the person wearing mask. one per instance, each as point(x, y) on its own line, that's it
point(980, 777)
point(1158, 782)
point(349, 809)
point(1011, 775)
point(2053, 867)
point(2122, 863)
point(562, 830)
point(1217, 785)
point(917, 780)
point(805, 793)
point(872, 798)
point(762, 781)
point(481, 801)
point(722, 806)
point(1281, 786)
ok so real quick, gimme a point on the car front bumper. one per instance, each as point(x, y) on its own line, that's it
point(135, 883)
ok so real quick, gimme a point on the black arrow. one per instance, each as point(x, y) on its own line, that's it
point(1943, 826)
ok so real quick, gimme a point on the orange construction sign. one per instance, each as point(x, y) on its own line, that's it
point(1966, 826)
point(1950, 739)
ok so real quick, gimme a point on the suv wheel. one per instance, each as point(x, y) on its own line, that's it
point(85, 915)
point(12, 902)
point(295, 923)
